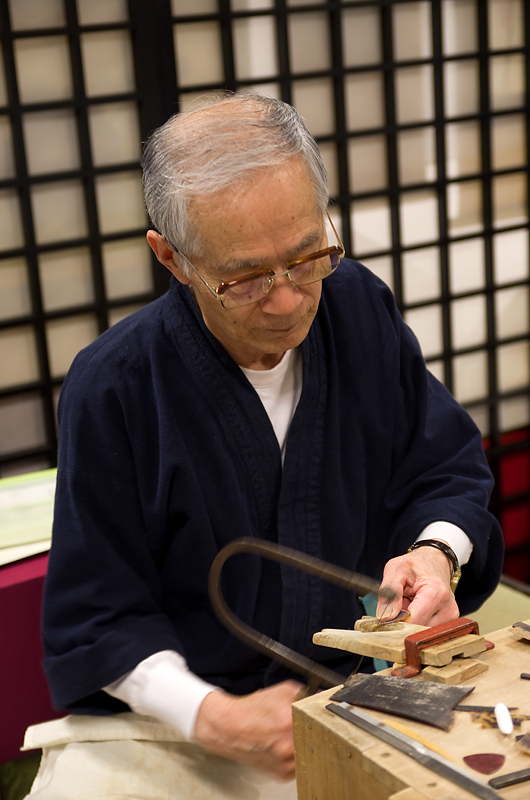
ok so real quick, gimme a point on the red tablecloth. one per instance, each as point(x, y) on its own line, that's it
point(24, 698)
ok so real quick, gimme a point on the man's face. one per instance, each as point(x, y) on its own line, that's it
point(263, 226)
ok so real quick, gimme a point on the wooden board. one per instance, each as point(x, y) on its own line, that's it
point(389, 645)
point(338, 761)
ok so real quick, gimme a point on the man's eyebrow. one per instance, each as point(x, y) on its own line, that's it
point(247, 265)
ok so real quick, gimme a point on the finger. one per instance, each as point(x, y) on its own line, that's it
point(432, 607)
point(386, 609)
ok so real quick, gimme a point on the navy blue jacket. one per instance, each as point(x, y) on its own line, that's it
point(167, 453)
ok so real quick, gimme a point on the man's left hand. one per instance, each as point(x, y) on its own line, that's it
point(421, 580)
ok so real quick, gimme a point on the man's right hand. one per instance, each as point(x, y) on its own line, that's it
point(255, 729)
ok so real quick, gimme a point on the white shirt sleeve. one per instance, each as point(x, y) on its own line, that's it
point(453, 535)
point(162, 686)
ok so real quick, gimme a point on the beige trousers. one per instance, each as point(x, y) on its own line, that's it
point(130, 757)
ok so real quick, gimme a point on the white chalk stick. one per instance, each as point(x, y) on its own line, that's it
point(504, 718)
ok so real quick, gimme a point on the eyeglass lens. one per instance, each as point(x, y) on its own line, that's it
point(249, 291)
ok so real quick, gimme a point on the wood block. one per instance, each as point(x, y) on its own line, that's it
point(441, 654)
point(390, 646)
point(453, 674)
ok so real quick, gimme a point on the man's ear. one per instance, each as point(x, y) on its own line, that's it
point(166, 255)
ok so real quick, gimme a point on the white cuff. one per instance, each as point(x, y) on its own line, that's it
point(163, 687)
point(453, 535)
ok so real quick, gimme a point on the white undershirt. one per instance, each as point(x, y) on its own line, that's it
point(162, 686)
point(279, 390)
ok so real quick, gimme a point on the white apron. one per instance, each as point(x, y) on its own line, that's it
point(130, 757)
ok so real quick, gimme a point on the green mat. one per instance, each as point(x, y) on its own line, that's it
point(16, 777)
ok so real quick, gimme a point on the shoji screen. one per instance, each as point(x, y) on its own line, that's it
point(73, 257)
point(420, 109)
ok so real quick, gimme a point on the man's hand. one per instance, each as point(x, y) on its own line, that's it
point(421, 582)
point(255, 729)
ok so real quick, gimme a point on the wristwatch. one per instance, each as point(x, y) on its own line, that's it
point(447, 551)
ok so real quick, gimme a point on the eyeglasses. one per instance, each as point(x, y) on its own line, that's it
point(253, 288)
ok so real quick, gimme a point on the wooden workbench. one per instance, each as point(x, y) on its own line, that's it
point(335, 760)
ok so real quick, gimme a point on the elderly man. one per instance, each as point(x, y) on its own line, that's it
point(273, 392)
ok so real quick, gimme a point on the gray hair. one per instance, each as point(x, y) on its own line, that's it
point(211, 148)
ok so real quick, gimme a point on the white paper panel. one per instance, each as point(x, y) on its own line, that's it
point(114, 133)
point(459, 26)
point(382, 267)
point(466, 265)
point(370, 221)
point(470, 376)
point(481, 418)
point(107, 62)
point(247, 5)
point(328, 151)
point(367, 163)
point(66, 278)
point(507, 81)
point(414, 94)
point(51, 141)
point(461, 87)
point(10, 220)
point(427, 325)
point(27, 14)
point(127, 267)
point(419, 217)
point(505, 24)
point(417, 155)
point(464, 207)
point(15, 299)
point(3, 90)
point(514, 413)
point(18, 356)
point(513, 366)
point(511, 312)
point(309, 42)
point(508, 141)
point(192, 100)
point(193, 7)
point(43, 69)
point(7, 156)
point(198, 53)
point(120, 202)
point(509, 199)
point(436, 368)
point(21, 424)
point(267, 89)
point(462, 143)
point(313, 100)
point(365, 107)
point(411, 28)
point(65, 338)
point(468, 317)
point(58, 211)
point(90, 12)
point(421, 274)
point(510, 256)
point(255, 51)
point(361, 36)
point(117, 314)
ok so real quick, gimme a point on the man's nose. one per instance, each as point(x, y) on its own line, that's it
point(283, 298)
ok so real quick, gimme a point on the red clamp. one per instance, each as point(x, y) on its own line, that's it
point(430, 637)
